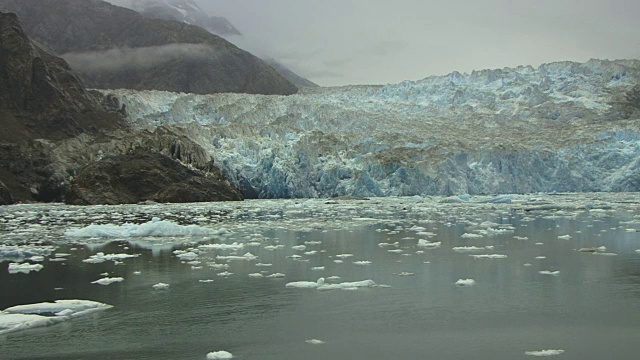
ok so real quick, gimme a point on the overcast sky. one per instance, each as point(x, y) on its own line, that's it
point(338, 42)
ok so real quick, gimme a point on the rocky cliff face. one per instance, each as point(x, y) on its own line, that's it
point(52, 127)
point(560, 127)
point(146, 176)
point(114, 47)
point(41, 101)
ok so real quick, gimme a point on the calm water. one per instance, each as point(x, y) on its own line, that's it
point(591, 309)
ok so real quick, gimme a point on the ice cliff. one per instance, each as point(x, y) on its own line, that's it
point(559, 127)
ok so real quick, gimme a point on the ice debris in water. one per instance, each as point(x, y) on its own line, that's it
point(489, 256)
point(234, 246)
point(547, 272)
point(218, 355)
point(108, 280)
point(315, 342)
point(154, 228)
point(428, 244)
point(102, 257)
point(160, 286)
point(248, 256)
point(19, 253)
point(15, 268)
point(24, 317)
point(544, 352)
point(465, 282)
point(564, 237)
point(321, 285)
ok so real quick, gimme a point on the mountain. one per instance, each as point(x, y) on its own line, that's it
point(114, 47)
point(186, 11)
point(559, 127)
point(40, 98)
point(59, 140)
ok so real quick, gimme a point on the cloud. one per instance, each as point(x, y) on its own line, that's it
point(136, 58)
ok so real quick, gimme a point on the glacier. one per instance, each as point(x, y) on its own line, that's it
point(560, 127)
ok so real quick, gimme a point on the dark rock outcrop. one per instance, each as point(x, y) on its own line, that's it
point(5, 195)
point(41, 101)
point(143, 176)
point(113, 47)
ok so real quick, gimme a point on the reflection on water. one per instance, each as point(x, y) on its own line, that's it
point(590, 309)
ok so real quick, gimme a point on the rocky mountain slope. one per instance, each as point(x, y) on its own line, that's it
point(186, 11)
point(189, 12)
point(559, 127)
point(53, 129)
point(114, 47)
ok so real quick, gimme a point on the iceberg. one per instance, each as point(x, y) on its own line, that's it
point(321, 285)
point(154, 228)
point(544, 352)
point(102, 257)
point(219, 355)
point(25, 268)
point(30, 316)
point(108, 280)
point(465, 282)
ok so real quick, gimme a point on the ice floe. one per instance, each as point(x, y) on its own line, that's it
point(428, 244)
point(160, 286)
point(102, 257)
point(489, 256)
point(320, 284)
point(544, 352)
point(219, 355)
point(548, 272)
point(314, 342)
point(24, 317)
point(154, 228)
point(108, 280)
point(25, 268)
point(465, 282)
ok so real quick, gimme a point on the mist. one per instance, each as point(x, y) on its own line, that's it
point(334, 42)
point(135, 58)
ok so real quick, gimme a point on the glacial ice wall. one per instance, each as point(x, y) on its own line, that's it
point(559, 127)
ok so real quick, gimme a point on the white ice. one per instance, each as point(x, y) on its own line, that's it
point(29, 316)
point(465, 282)
point(219, 355)
point(155, 228)
point(108, 280)
point(544, 352)
point(102, 257)
point(321, 285)
point(25, 268)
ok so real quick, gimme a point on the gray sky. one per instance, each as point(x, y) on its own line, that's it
point(338, 42)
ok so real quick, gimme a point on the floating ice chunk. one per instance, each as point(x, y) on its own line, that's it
point(521, 238)
point(188, 256)
point(318, 268)
point(160, 286)
point(256, 275)
point(263, 265)
point(299, 247)
point(101, 257)
point(225, 274)
point(36, 258)
point(313, 242)
point(338, 261)
point(396, 251)
point(276, 276)
point(108, 280)
point(314, 342)
point(312, 252)
point(541, 257)
point(427, 244)
point(489, 256)
point(468, 248)
point(19, 253)
point(547, 272)
point(465, 282)
point(544, 352)
point(273, 247)
point(362, 262)
point(321, 285)
point(206, 281)
point(605, 254)
point(344, 256)
point(333, 278)
point(404, 273)
point(593, 249)
point(24, 317)
point(25, 268)
point(219, 355)
point(384, 244)
point(564, 237)
point(638, 251)
point(471, 236)
point(248, 256)
point(154, 228)
point(235, 246)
